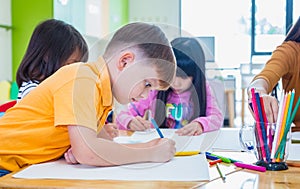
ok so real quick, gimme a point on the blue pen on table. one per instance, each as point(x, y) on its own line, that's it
point(157, 128)
point(211, 157)
point(224, 159)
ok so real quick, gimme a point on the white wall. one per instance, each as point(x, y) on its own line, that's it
point(90, 18)
point(5, 41)
point(164, 12)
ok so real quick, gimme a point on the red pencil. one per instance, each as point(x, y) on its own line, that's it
point(266, 124)
point(260, 142)
point(215, 162)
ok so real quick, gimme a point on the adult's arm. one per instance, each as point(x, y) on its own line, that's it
point(270, 102)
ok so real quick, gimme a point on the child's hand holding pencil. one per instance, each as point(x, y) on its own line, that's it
point(139, 122)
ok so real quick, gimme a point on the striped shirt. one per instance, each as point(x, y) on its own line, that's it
point(25, 88)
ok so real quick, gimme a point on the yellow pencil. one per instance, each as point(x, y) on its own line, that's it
point(187, 153)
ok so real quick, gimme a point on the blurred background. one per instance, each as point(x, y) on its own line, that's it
point(238, 36)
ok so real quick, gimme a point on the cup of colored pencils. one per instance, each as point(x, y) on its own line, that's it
point(270, 141)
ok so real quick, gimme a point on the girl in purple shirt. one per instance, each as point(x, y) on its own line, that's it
point(188, 105)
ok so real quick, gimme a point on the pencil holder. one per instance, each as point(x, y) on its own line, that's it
point(269, 142)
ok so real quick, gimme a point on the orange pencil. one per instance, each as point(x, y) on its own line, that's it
point(282, 128)
point(286, 108)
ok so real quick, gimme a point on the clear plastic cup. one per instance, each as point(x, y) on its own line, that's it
point(269, 142)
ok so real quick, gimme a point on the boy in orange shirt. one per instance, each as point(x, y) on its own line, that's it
point(69, 109)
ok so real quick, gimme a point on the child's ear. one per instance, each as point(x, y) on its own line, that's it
point(125, 59)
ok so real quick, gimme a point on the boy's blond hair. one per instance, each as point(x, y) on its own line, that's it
point(152, 42)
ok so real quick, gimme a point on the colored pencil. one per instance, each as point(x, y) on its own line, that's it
point(215, 162)
point(286, 108)
point(262, 126)
point(157, 128)
point(281, 147)
point(283, 125)
point(294, 111)
point(224, 159)
point(267, 126)
point(260, 142)
point(211, 157)
point(220, 172)
point(279, 116)
point(287, 125)
point(250, 167)
point(135, 109)
point(187, 153)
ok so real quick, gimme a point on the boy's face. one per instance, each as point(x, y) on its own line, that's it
point(134, 82)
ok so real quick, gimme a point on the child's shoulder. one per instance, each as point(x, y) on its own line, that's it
point(77, 69)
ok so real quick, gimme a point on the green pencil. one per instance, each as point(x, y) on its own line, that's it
point(287, 128)
point(220, 173)
point(294, 111)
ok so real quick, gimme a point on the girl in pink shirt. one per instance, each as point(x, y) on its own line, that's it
point(188, 105)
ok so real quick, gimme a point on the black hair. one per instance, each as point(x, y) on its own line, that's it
point(51, 44)
point(190, 63)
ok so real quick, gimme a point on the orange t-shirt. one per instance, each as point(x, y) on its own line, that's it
point(35, 131)
point(284, 64)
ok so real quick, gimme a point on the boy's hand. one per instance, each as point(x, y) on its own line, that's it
point(139, 124)
point(191, 129)
point(70, 159)
point(109, 131)
point(161, 149)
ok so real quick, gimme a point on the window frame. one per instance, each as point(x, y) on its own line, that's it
point(288, 24)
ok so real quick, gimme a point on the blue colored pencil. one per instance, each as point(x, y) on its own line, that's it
point(263, 130)
point(157, 128)
point(135, 109)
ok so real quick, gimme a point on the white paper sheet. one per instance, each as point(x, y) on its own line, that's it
point(183, 143)
point(185, 168)
point(228, 140)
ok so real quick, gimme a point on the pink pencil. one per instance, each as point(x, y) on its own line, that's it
point(255, 110)
point(266, 123)
point(251, 167)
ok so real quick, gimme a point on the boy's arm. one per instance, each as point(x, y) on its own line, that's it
point(214, 117)
point(90, 150)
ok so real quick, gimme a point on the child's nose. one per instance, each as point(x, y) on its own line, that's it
point(145, 93)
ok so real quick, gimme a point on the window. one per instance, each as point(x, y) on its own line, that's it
point(223, 20)
point(243, 33)
point(267, 26)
